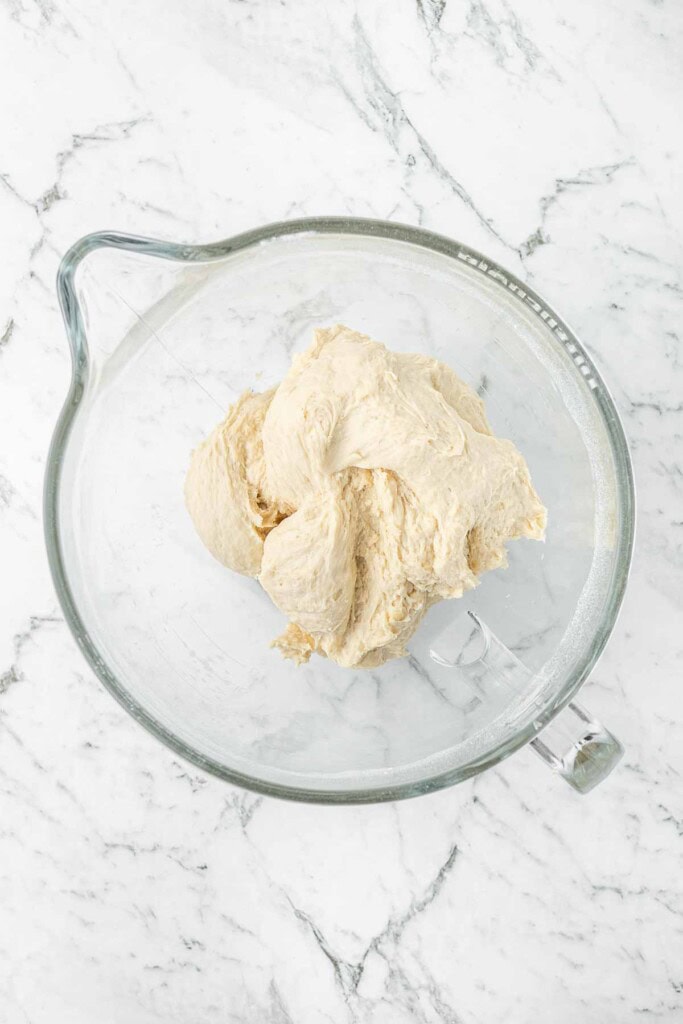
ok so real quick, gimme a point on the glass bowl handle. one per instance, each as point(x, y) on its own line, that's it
point(573, 744)
point(579, 748)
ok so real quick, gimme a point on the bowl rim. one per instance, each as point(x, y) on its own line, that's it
point(393, 231)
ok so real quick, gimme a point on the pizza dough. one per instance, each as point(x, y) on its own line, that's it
point(363, 489)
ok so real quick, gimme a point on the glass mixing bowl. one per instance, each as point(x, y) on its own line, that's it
point(164, 338)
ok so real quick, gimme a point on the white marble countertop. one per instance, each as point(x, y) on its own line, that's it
point(135, 889)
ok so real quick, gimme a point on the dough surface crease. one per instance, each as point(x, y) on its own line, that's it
point(359, 492)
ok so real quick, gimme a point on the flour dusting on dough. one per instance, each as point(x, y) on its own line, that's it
point(362, 490)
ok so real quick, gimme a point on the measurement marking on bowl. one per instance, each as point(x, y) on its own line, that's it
point(545, 315)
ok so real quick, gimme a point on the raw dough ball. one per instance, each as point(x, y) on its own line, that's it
point(360, 491)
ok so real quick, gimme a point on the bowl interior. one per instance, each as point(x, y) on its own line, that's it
point(186, 642)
